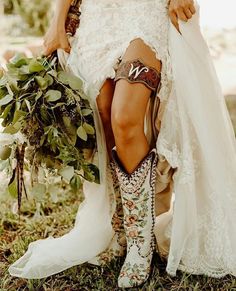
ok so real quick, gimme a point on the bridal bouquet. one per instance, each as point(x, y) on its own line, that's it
point(47, 126)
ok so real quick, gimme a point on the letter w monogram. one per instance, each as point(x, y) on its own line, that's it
point(137, 71)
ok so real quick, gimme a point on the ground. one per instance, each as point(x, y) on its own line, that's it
point(17, 232)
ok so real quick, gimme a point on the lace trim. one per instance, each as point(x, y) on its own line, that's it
point(109, 45)
point(131, 183)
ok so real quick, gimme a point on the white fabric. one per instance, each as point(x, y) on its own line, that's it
point(120, 21)
point(196, 136)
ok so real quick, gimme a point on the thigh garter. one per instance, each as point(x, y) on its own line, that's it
point(135, 71)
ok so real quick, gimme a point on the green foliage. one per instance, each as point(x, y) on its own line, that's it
point(8, 6)
point(48, 108)
point(35, 13)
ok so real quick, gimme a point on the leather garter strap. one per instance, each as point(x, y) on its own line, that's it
point(135, 71)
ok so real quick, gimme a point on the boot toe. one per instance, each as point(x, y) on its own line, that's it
point(133, 275)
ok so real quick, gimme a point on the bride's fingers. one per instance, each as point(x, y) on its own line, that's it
point(181, 15)
point(67, 49)
point(192, 9)
point(188, 13)
point(174, 20)
point(47, 51)
point(65, 45)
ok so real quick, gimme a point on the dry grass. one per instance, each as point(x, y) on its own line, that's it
point(58, 218)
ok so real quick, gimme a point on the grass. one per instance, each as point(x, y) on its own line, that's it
point(58, 218)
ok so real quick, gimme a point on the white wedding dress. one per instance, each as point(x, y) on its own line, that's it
point(195, 136)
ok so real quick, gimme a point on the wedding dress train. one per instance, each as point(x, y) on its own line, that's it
point(196, 138)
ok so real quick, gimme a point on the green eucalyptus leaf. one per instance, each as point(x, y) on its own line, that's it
point(81, 132)
point(3, 92)
point(70, 129)
point(42, 140)
point(53, 73)
point(44, 114)
point(64, 77)
point(5, 100)
point(89, 176)
point(19, 60)
point(53, 95)
point(10, 129)
point(27, 104)
point(39, 191)
point(49, 79)
point(27, 84)
point(86, 112)
point(11, 68)
point(67, 173)
point(94, 169)
point(59, 104)
point(88, 128)
point(53, 191)
point(83, 95)
point(12, 188)
point(9, 89)
point(75, 83)
point(76, 183)
point(18, 115)
point(71, 95)
point(6, 111)
point(24, 70)
point(5, 152)
point(43, 84)
point(39, 95)
point(1, 73)
point(17, 105)
point(18, 125)
point(4, 164)
point(3, 81)
point(66, 121)
point(21, 76)
point(35, 66)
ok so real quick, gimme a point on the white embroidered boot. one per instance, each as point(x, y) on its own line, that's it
point(137, 193)
point(118, 217)
point(117, 246)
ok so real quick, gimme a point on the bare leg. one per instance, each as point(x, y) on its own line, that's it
point(104, 101)
point(129, 107)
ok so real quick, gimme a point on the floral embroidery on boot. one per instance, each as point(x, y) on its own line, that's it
point(137, 193)
point(117, 246)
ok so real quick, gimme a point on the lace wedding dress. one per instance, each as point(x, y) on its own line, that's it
point(190, 126)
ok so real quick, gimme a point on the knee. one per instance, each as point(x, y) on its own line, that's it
point(125, 126)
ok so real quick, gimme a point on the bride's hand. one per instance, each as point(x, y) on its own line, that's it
point(181, 9)
point(55, 38)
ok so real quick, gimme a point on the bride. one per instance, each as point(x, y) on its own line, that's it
point(166, 146)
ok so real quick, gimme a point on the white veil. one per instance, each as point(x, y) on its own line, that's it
point(197, 136)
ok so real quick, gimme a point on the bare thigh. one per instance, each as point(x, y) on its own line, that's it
point(122, 103)
point(129, 106)
point(130, 100)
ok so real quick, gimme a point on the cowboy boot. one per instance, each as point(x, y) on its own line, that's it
point(137, 193)
point(118, 216)
point(117, 246)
